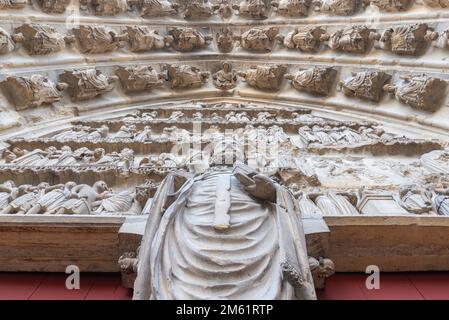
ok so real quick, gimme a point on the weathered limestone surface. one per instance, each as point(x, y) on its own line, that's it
point(109, 107)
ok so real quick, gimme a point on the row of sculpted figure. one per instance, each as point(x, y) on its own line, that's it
point(421, 92)
point(203, 9)
point(69, 199)
point(404, 40)
point(406, 200)
point(68, 158)
point(317, 136)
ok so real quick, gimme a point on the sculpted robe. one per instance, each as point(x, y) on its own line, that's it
point(262, 255)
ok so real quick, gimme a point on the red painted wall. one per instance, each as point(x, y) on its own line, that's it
point(38, 286)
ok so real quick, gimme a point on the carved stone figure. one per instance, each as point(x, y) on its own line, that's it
point(258, 39)
point(225, 40)
point(197, 9)
point(317, 80)
point(280, 271)
point(8, 192)
point(440, 200)
point(226, 78)
point(144, 135)
point(305, 38)
point(121, 203)
point(188, 39)
point(334, 204)
point(6, 42)
point(81, 199)
point(32, 92)
point(322, 269)
point(336, 7)
point(415, 199)
point(436, 161)
point(40, 39)
point(354, 39)
point(138, 78)
point(157, 8)
point(436, 3)
point(13, 4)
point(264, 76)
point(224, 9)
point(143, 38)
point(390, 5)
point(106, 7)
point(366, 85)
point(98, 39)
point(53, 198)
point(443, 40)
point(184, 76)
point(407, 40)
point(87, 84)
point(420, 92)
point(254, 9)
point(27, 196)
point(292, 8)
point(54, 6)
